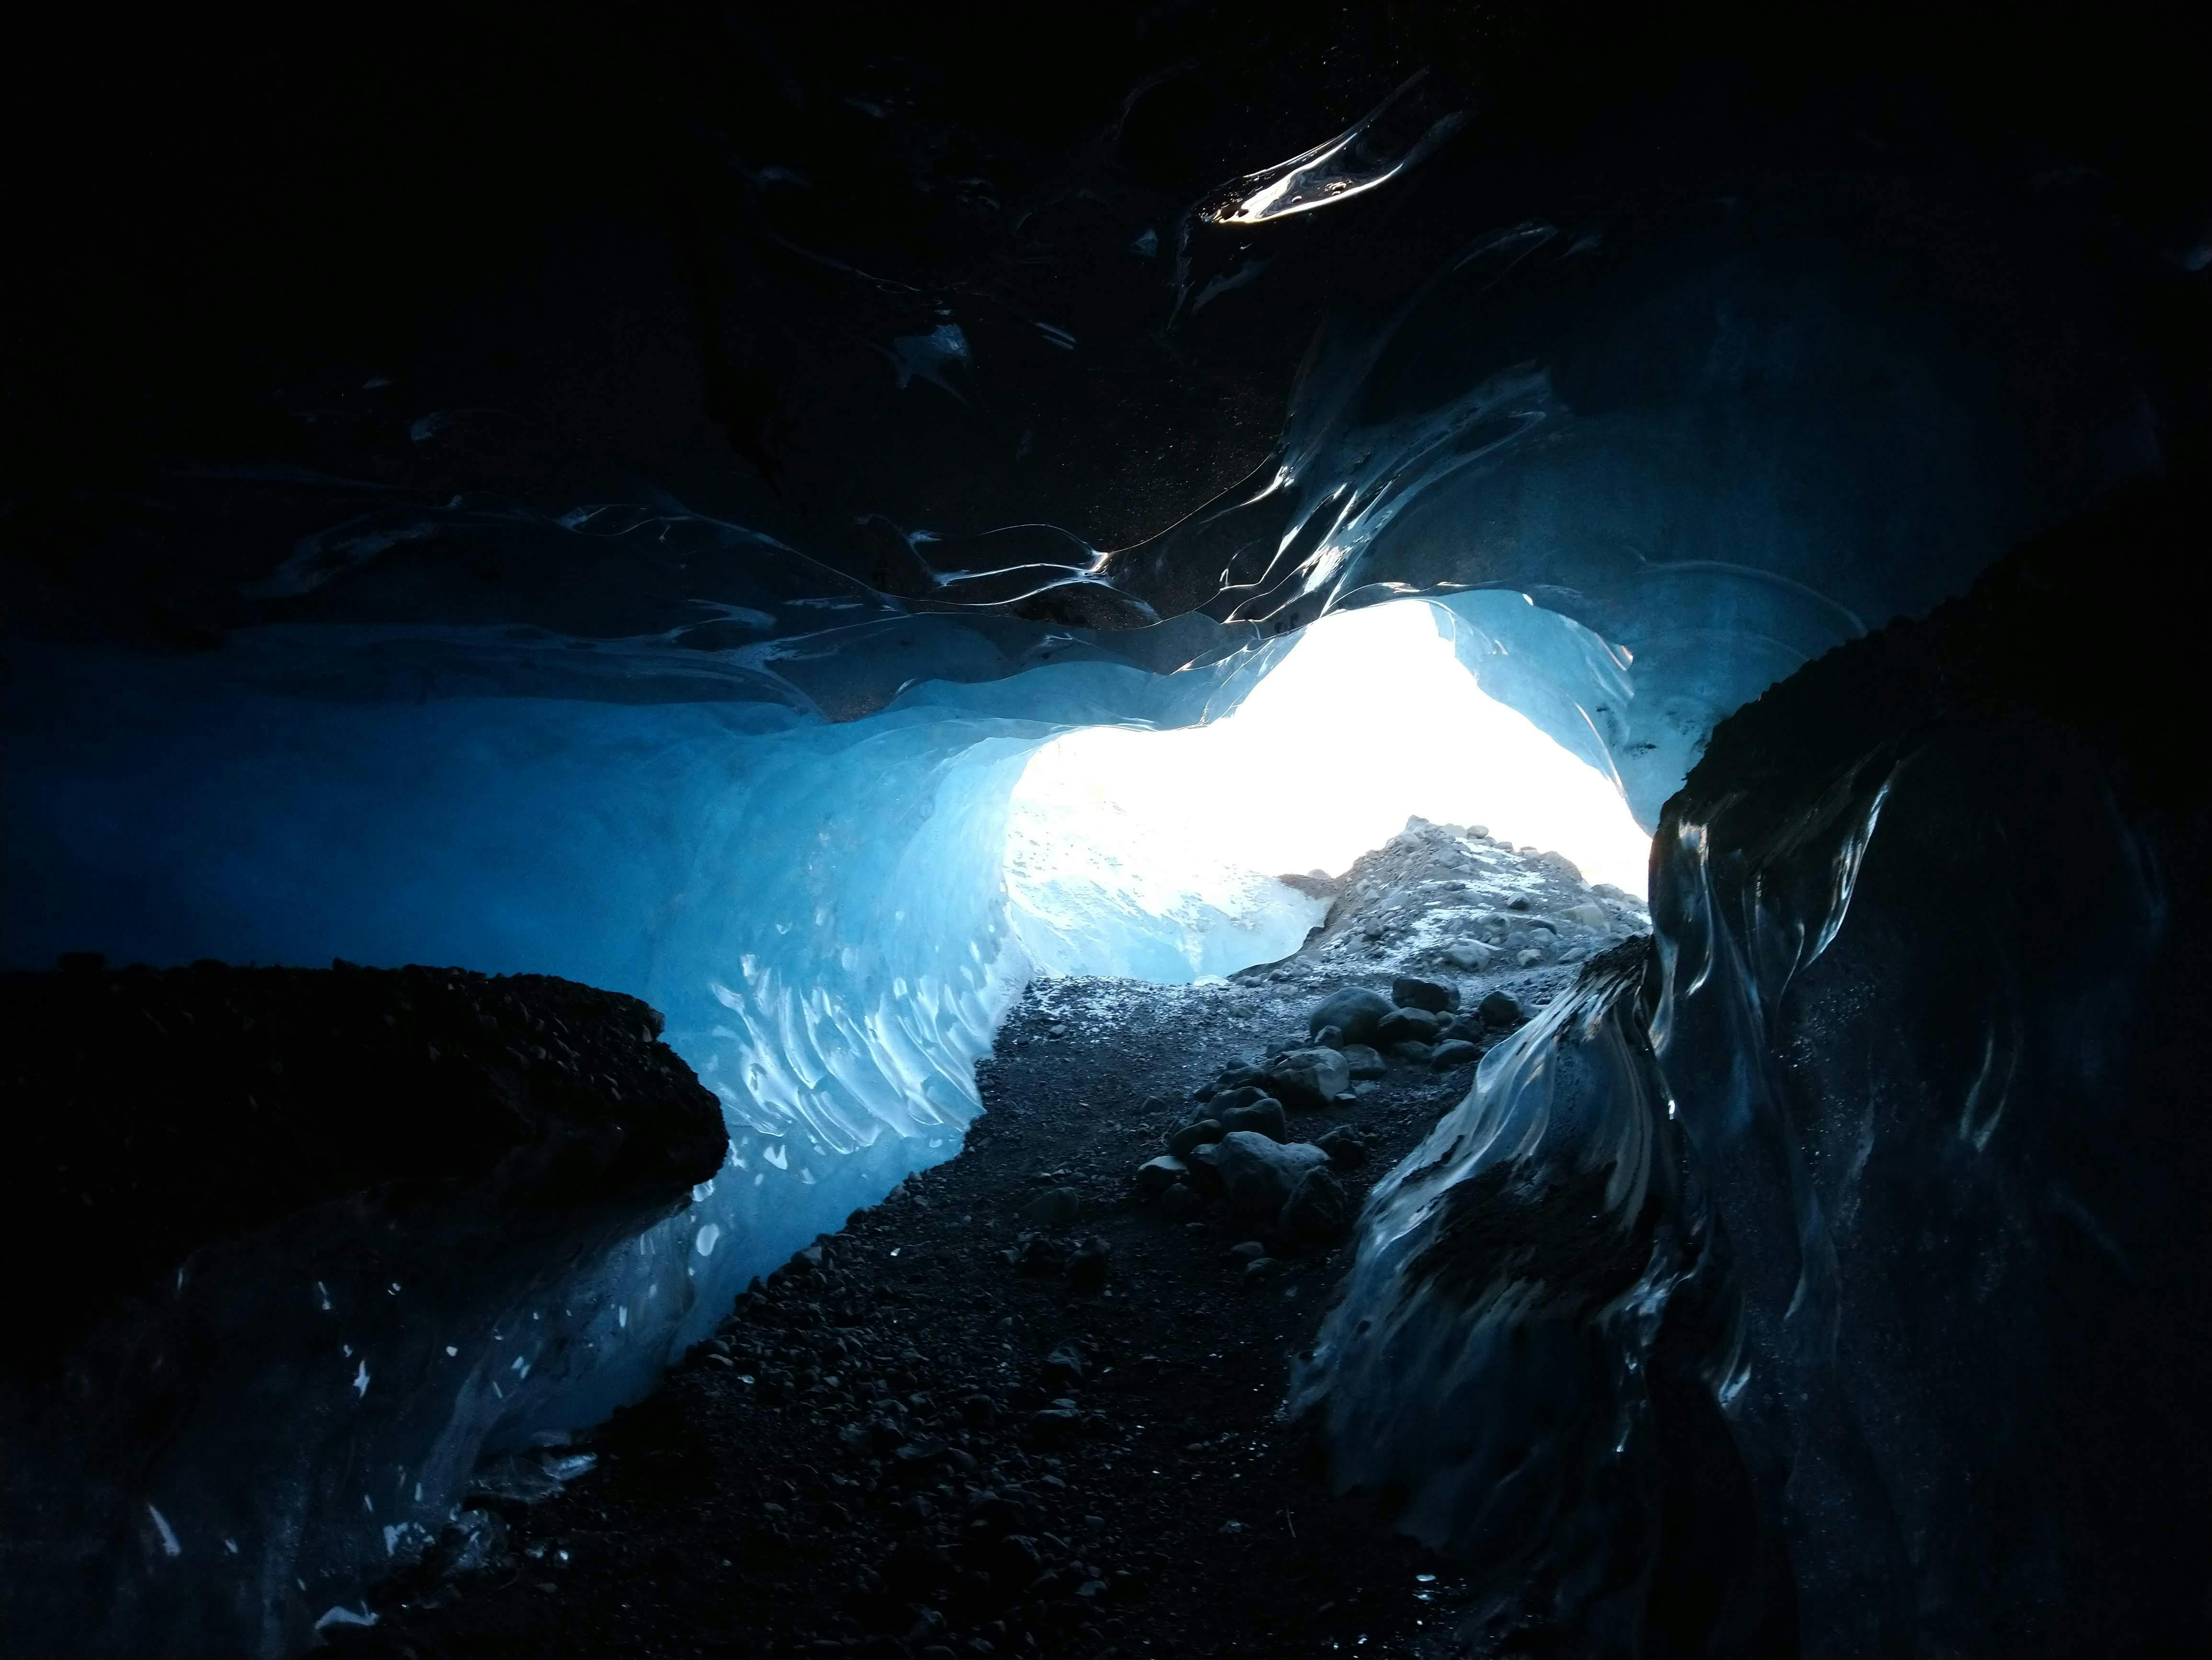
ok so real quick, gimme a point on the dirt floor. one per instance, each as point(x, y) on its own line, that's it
point(963, 1427)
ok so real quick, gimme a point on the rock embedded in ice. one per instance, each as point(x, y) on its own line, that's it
point(1354, 1010)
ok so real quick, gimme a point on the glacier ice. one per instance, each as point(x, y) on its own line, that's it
point(1647, 476)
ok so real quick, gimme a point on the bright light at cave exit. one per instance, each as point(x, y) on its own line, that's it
point(1369, 719)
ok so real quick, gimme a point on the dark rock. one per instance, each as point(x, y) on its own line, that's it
point(1055, 1208)
point(409, 1152)
point(1228, 1100)
point(1259, 1174)
point(1502, 1009)
point(1345, 1148)
point(1318, 1208)
point(1193, 1136)
point(1408, 991)
point(1263, 1116)
point(1049, 1426)
point(474, 1541)
point(1414, 1054)
point(1178, 1201)
point(978, 1410)
point(1063, 1367)
point(1365, 1062)
point(1260, 1268)
point(1155, 1176)
point(1456, 1052)
point(1086, 1270)
point(1407, 1025)
point(1354, 1010)
point(1308, 1078)
point(1330, 1037)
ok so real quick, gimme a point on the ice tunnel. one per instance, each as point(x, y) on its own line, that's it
point(1719, 503)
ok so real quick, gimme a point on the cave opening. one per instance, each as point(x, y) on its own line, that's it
point(1161, 855)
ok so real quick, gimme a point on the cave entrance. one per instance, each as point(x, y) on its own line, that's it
point(1159, 855)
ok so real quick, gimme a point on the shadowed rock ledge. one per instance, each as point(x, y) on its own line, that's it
point(290, 1240)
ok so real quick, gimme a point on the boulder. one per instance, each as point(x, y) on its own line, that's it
point(1309, 1077)
point(1502, 1009)
point(1318, 1208)
point(1353, 1009)
point(1258, 1174)
point(1228, 1100)
point(1474, 955)
point(1156, 1176)
point(1560, 865)
point(1589, 914)
point(1194, 1135)
point(1365, 1062)
point(1264, 1117)
point(1055, 1208)
point(1412, 1053)
point(1408, 1026)
point(1345, 1148)
point(1410, 991)
point(1330, 1037)
point(1455, 1052)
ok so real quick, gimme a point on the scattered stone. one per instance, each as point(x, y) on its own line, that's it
point(1064, 1367)
point(1589, 914)
point(1502, 1009)
point(1258, 1174)
point(1260, 1268)
point(1318, 1208)
point(1228, 1100)
point(1530, 957)
point(1156, 1176)
point(1249, 1251)
point(1178, 1201)
point(1408, 1026)
point(1414, 1054)
point(1353, 1009)
point(1454, 1052)
point(1330, 1037)
point(1264, 1117)
point(1309, 1078)
point(1056, 1207)
point(1365, 1063)
point(1474, 955)
point(1562, 864)
point(1409, 991)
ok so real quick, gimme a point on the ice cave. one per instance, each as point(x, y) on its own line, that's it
point(994, 878)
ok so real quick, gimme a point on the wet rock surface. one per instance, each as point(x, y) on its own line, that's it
point(940, 1432)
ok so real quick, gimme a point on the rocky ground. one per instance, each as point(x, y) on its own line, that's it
point(1030, 1404)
